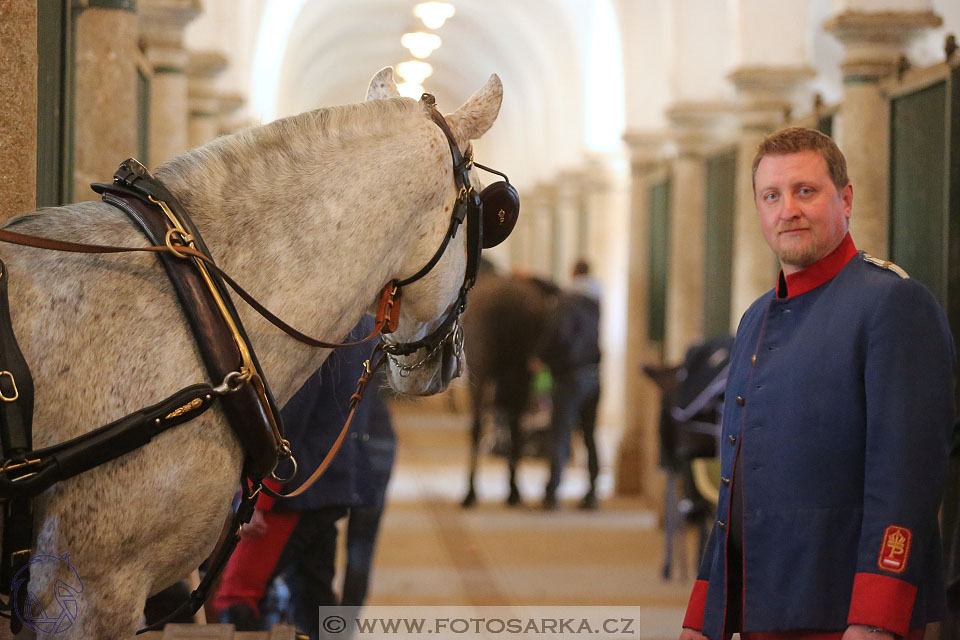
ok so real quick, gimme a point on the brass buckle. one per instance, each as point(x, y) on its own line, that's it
point(184, 238)
point(13, 381)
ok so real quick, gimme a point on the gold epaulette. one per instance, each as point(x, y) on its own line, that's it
point(886, 264)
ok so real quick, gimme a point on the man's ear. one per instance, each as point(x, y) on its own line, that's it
point(847, 196)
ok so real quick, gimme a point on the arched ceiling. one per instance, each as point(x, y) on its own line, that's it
point(535, 46)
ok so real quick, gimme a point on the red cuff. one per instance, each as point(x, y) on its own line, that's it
point(882, 601)
point(698, 602)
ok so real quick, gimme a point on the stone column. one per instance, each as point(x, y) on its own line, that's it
point(763, 100)
point(694, 131)
point(203, 67)
point(539, 205)
point(105, 125)
point(569, 207)
point(162, 23)
point(18, 107)
point(873, 43)
point(230, 105)
point(637, 454)
point(519, 238)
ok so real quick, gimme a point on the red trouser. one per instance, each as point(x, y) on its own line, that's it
point(253, 562)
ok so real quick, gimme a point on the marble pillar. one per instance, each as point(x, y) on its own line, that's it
point(203, 67)
point(517, 242)
point(637, 454)
point(162, 23)
point(696, 127)
point(570, 208)
point(230, 105)
point(107, 58)
point(18, 107)
point(873, 43)
point(541, 206)
point(763, 100)
point(607, 194)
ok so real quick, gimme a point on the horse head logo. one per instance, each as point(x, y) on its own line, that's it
point(66, 588)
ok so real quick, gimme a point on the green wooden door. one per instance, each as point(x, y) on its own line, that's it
point(54, 103)
point(721, 182)
point(659, 253)
point(918, 162)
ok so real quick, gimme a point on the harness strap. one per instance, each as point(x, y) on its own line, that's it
point(31, 473)
point(388, 314)
point(355, 399)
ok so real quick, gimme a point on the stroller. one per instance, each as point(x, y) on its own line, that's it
point(690, 413)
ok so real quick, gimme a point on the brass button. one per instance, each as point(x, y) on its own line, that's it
point(753, 359)
point(721, 524)
point(741, 401)
point(732, 439)
point(725, 481)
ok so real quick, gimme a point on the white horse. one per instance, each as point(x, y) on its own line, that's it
point(313, 214)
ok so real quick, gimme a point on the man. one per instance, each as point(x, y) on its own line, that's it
point(837, 412)
point(572, 351)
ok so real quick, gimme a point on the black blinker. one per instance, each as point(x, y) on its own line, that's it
point(500, 204)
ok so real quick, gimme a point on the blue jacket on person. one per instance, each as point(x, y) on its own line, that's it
point(312, 421)
point(840, 402)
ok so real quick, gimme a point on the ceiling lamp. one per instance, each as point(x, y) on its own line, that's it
point(434, 14)
point(420, 43)
point(414, 71)
point(410, 90)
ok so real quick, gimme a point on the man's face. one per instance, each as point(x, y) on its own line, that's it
point(802, 215)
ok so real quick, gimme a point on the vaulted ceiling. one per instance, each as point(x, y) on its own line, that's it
point(537, 47)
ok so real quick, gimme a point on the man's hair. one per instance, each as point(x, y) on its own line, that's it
point(581, 267)
point(797, 139)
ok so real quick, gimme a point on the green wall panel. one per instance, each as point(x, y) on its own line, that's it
point(143, 117)
point(659, 255)
point(918, 157)
point(953, 206)
point(54, 77)
point(721, 182)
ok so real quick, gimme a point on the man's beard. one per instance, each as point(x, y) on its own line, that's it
point(801, 256)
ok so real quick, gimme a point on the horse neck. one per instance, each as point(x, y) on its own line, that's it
point(303, 220)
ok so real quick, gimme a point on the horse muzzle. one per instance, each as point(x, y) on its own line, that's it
point(428, 370)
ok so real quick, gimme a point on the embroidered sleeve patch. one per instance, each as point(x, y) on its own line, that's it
point(895, 549)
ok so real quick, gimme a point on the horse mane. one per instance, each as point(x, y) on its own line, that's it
point(326, 127)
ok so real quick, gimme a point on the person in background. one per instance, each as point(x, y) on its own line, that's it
point(571, 349)
point(296, 538)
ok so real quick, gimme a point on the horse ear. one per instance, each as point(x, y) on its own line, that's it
point(382, 85)
point(477, 115)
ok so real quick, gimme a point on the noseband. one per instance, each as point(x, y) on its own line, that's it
point(469, 206)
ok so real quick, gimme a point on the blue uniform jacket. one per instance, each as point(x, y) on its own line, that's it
point(840, 401)
point(312, 420)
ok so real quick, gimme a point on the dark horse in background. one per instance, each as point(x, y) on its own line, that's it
point(505, 322)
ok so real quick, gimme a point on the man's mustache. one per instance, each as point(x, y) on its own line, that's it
point(785, 229)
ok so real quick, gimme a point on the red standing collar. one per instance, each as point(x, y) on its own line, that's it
point(818, 273)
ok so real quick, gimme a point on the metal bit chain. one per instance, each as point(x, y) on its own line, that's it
point(405, 369)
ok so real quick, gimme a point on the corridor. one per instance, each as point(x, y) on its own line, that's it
point(433, 552)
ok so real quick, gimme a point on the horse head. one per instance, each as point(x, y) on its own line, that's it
point(433, 301)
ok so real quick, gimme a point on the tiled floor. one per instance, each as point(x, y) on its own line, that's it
point(433, 552)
